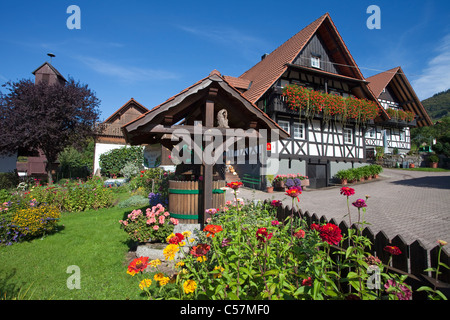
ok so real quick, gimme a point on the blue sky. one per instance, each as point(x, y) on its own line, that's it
point(151, 50)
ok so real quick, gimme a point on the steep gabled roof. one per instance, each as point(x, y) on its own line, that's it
point(125, 107)
point(380, 81)
point(398, 82)
point(267, 71)
point(52, 68)
point(178, 105)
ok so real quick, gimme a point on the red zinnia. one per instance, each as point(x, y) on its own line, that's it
point(137, 265)
point(200, 250)
point(176, 239)
point(234, 185)
point(315, 226)
point(393, 250)
point(347, 191)
point(262, 235)
point(299, 234)
point(330, 233)
point(307, 282)
point(212, 230)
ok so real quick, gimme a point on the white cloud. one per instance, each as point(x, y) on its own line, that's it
point(126, 73)
point(436, 76)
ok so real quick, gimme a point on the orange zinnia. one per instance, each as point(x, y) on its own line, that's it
point(235, 185)
point(212, 230)
point(137, 265)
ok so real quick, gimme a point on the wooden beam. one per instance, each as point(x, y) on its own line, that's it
point(208, 167)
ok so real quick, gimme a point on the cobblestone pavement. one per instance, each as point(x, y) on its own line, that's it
point(412, 204)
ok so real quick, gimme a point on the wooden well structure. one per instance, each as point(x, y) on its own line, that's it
point(186, 199)
point(218, 107)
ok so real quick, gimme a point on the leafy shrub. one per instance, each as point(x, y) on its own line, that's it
point(134, 201)
point(35, 221)
point(113, 161)
point(130, 170)
point(74, 196)
point(153, 225)
point(8, 180)
point(74, 163)
point(433, 158)
point(4, 195)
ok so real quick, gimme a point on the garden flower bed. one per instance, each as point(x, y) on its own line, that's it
point(244, 252)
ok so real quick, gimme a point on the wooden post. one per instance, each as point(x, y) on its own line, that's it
point(208, 168)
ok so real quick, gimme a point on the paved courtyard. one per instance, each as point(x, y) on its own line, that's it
point(412, 204)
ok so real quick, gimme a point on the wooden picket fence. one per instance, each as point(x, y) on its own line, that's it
point(412, 262)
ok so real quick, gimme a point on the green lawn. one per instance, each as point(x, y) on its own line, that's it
point(91, 240)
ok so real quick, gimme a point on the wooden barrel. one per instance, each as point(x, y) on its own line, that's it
point(186, 200)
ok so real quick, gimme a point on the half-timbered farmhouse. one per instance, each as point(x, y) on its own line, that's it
point(317, 58)
point(396, 95)
point(313, 89)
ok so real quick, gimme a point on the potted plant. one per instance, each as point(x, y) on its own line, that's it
point(367, 172)
point(376, 170)
point(269, 185)
point(434, 160)
point(343, 175)
point(279, 180)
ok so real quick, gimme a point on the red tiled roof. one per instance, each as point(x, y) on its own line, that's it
point(379, 81)
point(411, 102)
point(268, 70)
point(238, 83)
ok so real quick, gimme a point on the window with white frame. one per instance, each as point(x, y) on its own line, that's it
point(284, 125)
point(402, 135)
point(315, 62)
point(298, 130)
point(348, 135)
point(370, 133)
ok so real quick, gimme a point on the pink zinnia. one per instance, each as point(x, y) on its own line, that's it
point(360, 203)
point(155, 227)
point(161, 219)
point(275, 222)
point(276, 203)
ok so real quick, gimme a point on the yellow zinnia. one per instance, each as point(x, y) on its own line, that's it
point(164, 281)
point(186, 234)
point(189, 286)
point(169, 237)
point(170, 251)
point(218, 275)
point(155, 263)
point(201, 259)
point(145, 284)
point(158, 276)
